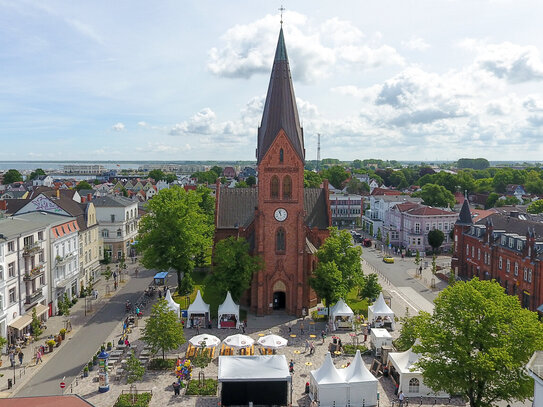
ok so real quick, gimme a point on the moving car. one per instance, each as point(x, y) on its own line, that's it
point(367, 242)
point(388, 259)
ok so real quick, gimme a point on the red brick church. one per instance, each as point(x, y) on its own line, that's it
point(283, 222)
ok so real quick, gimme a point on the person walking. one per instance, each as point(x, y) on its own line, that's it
point(312, 348)
point(291, 367)
point(306, 345)
point(38, 356)
point(401, 398)
point(21, 356)
point(302, 328)
point(176, 388)
point(12, 358)
point(323, 336)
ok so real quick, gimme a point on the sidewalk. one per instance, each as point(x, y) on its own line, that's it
point(77, 318)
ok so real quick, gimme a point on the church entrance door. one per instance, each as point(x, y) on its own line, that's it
point(279, 300)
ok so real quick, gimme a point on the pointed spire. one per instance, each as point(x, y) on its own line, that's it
point(465, 215)
point(280, 110)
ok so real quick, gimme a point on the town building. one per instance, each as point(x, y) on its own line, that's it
point(504, 248)
point(374, 218)
point(118, 224)
point(346, 209)
point(283, 222)
point(83, 169)
point(407, 226)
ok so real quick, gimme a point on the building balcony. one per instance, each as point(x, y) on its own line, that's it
point(32, 249)
point(34, 272)
point(59, 260)
point(36, 296)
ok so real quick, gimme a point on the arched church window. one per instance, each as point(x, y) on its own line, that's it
point(274, 187)
point(280, 240)
point(414, 385)
point(287, 187)
point(281, 155)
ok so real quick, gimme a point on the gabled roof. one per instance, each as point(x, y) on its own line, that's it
point(228, 306)
point(280, 111)
point(423, 210)
point(112, 201)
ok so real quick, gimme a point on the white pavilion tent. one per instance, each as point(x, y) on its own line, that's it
point(198, 312)
point(327, 386)
point(342, 315)
point(172, 304)
point(409, 377)
point(362, 384)
point(228, 313)
point(380, 312)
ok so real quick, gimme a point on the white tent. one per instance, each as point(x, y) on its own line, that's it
point(210, 341)
point(408, 377)
point(198, 312)
point(327, 386)
point(239, 341)
point(172, 304)
point(342, 315)
point(362, 384)
point(228, 310)
point(380, 312)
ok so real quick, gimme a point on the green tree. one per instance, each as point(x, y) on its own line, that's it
point(170, 177)
point(534, 184)
point(157, 174)
point(477, 343)
point(233, 266)
point(417, 258)
point(410, 330)
point(509, 200)
point(82, 185)
point(371, 287)
point(134, 368)
point(535, 207)
point(242, 184)
point(312, 179)
point(205, 177)
point(124, 192)
point(436, 195)
point(163, 331)
point(475, 163)
point(435, 238)
point(36, 173)
point(63, 305)
point(217, 170)
point(35, 325)
point(355, 186)
point(484, 185)
point(491, 200)
point(434, 265)
point(11, 176)
point(174, 230)
point(327, 282)
point(379, 235)
point(251, 180)
point(336, 175)
point(371, 229)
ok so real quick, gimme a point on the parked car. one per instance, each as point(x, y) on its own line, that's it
point(388, 259)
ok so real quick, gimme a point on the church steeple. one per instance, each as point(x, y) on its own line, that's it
point(280, 111)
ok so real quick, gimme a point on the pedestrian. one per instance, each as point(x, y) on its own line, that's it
point(312, 348)
point(12, 358)
point(136, 271)
point(176, 388)
point(340, 345)
point(198, 327)
point(126, 343)
point(291, 367)
point(365, 333)
point(289, 329)
point(38, 356)
point(306, 345)
point(401, 398)
point(115, 284)
point(242, 326)
point(21, 356)
point(323, 336)
point(159, 294)
point(302, 328)
point(420, 270)
point(115, 276)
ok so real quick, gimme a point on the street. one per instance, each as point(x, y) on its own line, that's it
point(67, 363)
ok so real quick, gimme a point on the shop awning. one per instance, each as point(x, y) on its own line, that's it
point(22, 322)
point(40, 310)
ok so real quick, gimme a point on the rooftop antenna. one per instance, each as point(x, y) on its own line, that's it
point(281, 9)
point(318, 151)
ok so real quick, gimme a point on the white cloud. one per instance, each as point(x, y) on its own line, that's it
point(315, 51)
point(118, 127)
point(142, 124)
point(416, 43)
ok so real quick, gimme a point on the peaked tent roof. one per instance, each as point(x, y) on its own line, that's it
point(228, 306)
point(171, 303)
point(341, 309)
point(380, 306)
point(465, 215)
point(357, 371)
point(327, 373)
point(405, 361)
point(280, 111)
point(198, 306)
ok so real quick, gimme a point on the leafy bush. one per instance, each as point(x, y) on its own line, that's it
point(140, 400)
point(351, 349)
point(162, 364)
point(208, 389)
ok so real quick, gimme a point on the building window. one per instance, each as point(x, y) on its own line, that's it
point(417, 227)
point(105, 233)
point(472, 251)
point(478, 254)
point(525, 274)
point(287, 187)
point(500, 263)
point(511, 242)
point(12, 295)
point(427, 227)
point(112, 218)
point(530, 275)
point(281, 155)
point(119, 232)
point(434, 226)
point(440, 226)
point(11, 269)
point(11, 246)
point(414, 385)
point(526, 300)
point(446, 226)
point(519, 245)
point(508, 266)
point(42, 280)
point(506, 287)
point(40, 235)
point(516, 269)
point(274, 187)
point(280, 240)
point(467, 250)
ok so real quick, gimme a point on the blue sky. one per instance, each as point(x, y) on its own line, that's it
point(171, 80)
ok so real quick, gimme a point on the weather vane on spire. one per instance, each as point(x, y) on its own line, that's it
point(281, 9)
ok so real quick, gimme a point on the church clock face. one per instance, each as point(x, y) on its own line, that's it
point(280, 214)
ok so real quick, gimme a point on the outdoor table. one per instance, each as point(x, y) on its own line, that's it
point(297, 352)
point(312, 336)
point(261, 334)
point(293, 336)
point(308, 363)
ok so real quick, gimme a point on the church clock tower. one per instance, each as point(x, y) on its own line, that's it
point(279, 219)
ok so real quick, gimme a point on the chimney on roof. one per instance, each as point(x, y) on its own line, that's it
point(58, 193)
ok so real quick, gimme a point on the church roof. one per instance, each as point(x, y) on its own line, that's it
point(280, 111)
point(465, 215)
point(237, 206)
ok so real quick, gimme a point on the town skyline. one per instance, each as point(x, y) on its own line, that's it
point(426, 83)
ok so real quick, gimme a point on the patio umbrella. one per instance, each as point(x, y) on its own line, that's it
point(239, 341)
point(272, 341)
point(209, 340)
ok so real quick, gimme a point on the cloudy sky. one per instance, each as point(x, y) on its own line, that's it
point(171, 80)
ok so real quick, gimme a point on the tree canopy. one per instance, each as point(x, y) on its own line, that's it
point(435, 238)
point(82, 185)
point(163, 330)
point(477, 342)
point(336, 175)
point(11, 176)
point(233, 266)
point(36, 173)
point(475, 163)
point(536, 206)
point(157, 174)
point(312, 179)
point(175, 229)
point(205, 177)
point(436, 195)
point(355, 186)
